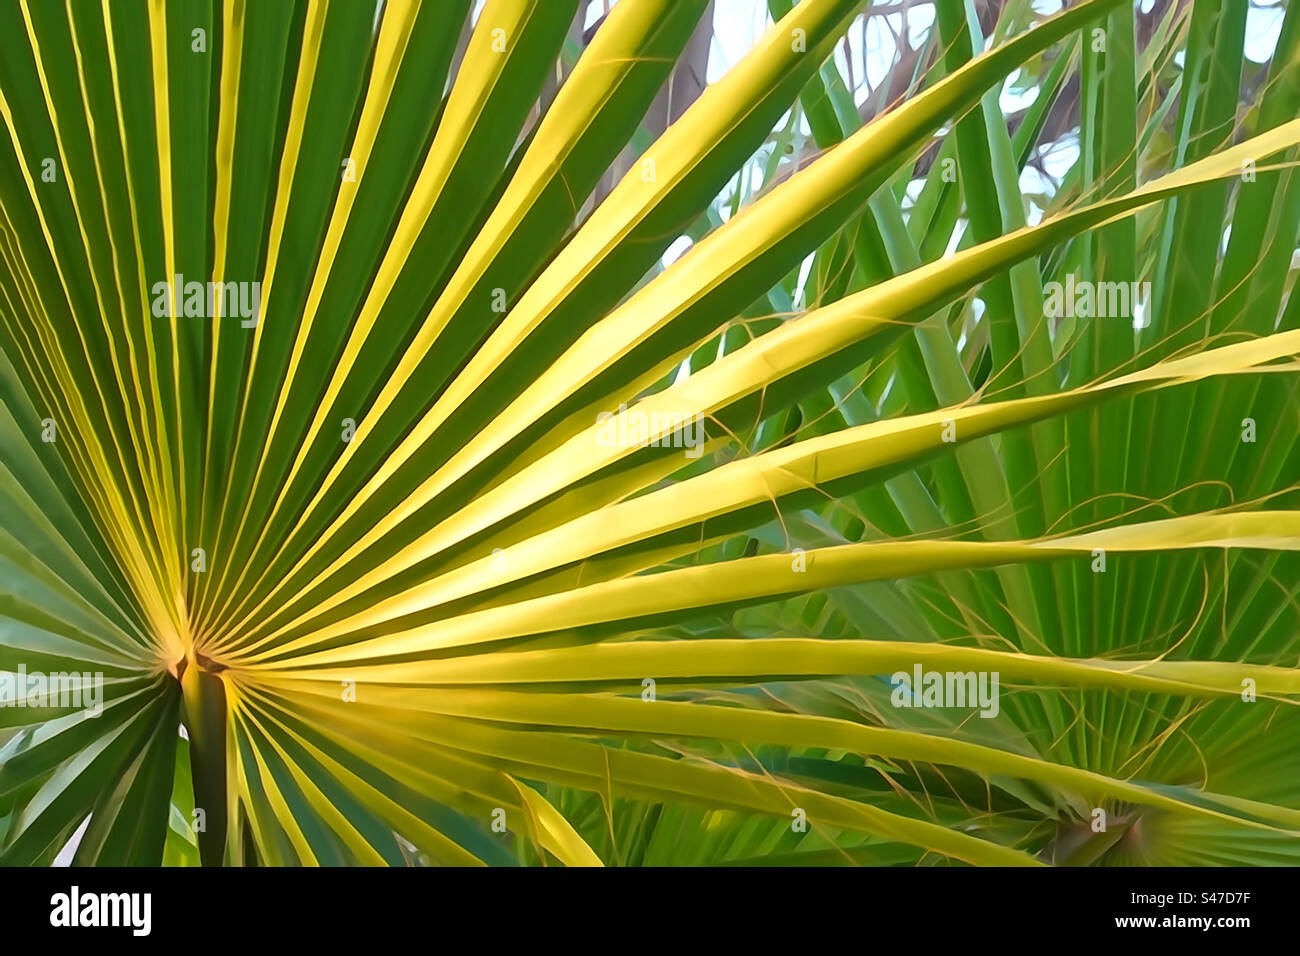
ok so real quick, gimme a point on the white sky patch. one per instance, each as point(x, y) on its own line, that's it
point(737, 25)
point(889, 387)
point(977, 313)
point(1032, 181)
point(64, 857)
point(1013, 101)
point(842, 65)
point(912, 192)
point(1061, 156)
point(958, 230)
point(1140, 309)
point(595, 11)
point(882, 47)
point(676, 250)
point(920, 19)
point(805, 270)
point(1263, 27)
point(756, 169)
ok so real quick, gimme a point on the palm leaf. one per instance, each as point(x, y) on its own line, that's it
point(365, 582)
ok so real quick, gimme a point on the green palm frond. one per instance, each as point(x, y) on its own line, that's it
point(464, 522)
